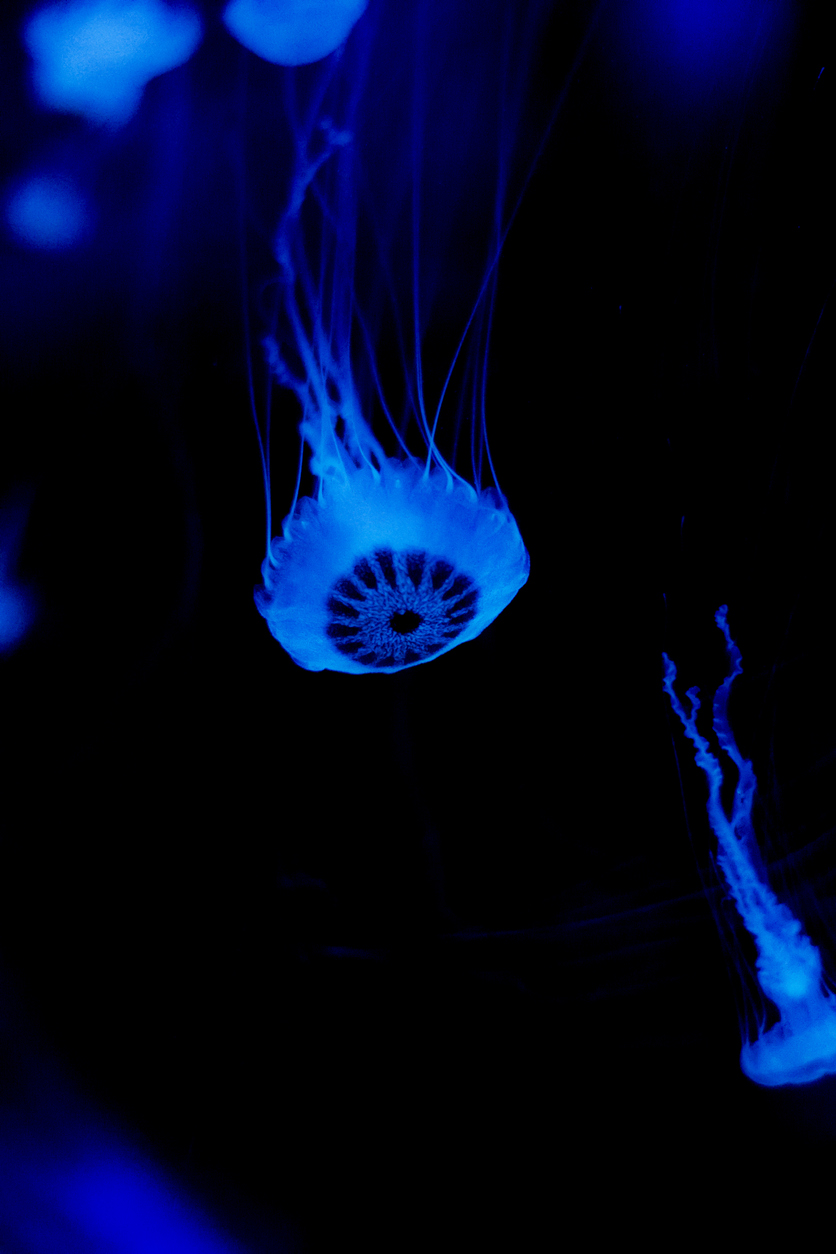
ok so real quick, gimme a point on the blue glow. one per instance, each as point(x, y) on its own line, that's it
point(395, 559)
point(122, 1205)
point(72, 1180)
point(699, 35)
point(48, 211)
point(691, 60)
point(84, 1190)
point(292, 32)
point(17, 603)
point(16, 614)
point(801, 1046)
point(94, 57)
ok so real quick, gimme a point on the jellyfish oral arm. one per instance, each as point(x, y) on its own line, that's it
point(801, 1046)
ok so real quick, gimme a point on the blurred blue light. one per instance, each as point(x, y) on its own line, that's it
point(48, 211)
point(94, 57)
point(118, 1204)
point(292, 32)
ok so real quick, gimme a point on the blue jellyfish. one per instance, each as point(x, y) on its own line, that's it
point(94, 57)
point(292, 32)
point(396, 557)
point(49, 211)
point(801, 1045)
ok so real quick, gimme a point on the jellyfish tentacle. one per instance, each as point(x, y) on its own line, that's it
point(801, 1046)
point(322, 373)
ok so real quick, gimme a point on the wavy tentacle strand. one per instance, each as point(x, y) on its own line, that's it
point(801, 1046)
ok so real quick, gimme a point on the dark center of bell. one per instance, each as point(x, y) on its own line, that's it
point(405, 622)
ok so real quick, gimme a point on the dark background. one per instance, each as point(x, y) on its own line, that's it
point(340, 948)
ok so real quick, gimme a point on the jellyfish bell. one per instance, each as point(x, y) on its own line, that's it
point(395, 556)
point(292, 32)
point(393, 565)
point(393, 561)
point(95, 57)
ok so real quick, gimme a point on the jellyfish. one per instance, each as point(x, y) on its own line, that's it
point(292, 32)
point(94, 57)
point(396, 556)
point(801, 1045)
point(48, 211)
